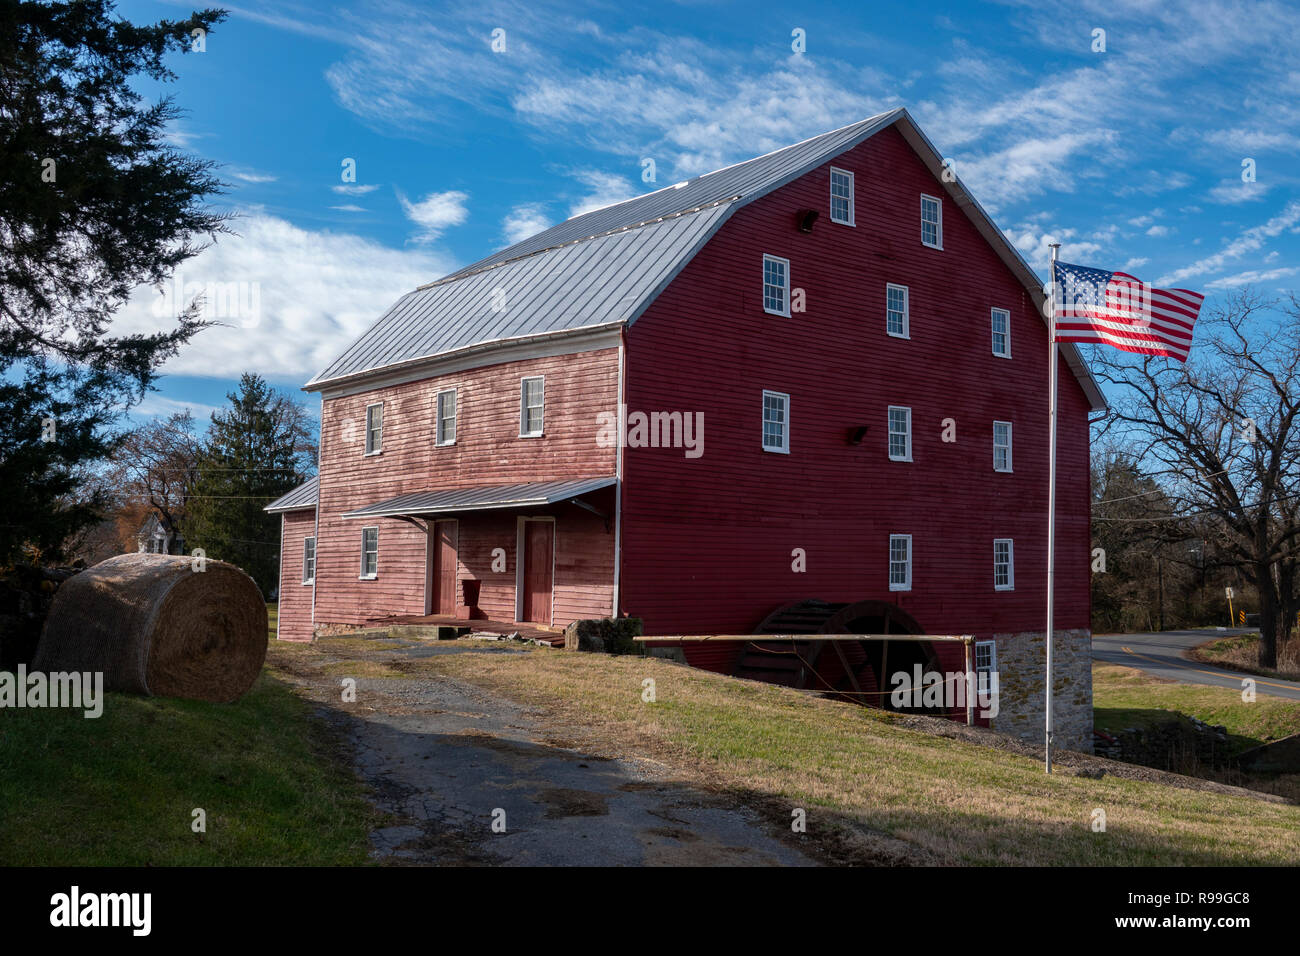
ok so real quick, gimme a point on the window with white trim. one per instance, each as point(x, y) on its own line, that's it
point(900, 433)
point(369, 553)
point(776, 422)
point(1001, 333)
point(446, 415)
point(374, 428)
point(308, 560)
point(931, 222)
point(841, 196)
point(776, 285)
point(1001, 446)
point(897, 320)
point(532, 404)
point(986, 663)
point(1004, 565)
point(900, 562)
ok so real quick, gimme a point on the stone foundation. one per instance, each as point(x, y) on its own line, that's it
point(1022, 663)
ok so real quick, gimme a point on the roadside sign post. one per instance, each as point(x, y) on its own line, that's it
point(1231, 616)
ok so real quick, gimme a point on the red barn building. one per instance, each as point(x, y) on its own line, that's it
point(818, 374)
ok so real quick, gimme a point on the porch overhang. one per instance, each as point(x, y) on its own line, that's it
point(533, 494)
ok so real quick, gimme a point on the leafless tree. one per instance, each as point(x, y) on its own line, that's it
point(1220, 435)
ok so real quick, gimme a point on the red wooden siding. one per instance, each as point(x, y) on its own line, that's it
point(295, 597)
point(488, 451)
point(707, 542)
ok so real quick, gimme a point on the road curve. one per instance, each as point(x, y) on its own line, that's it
point(1162, 654)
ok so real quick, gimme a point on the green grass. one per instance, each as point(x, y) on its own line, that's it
point(1125, 697)
point(120, 789)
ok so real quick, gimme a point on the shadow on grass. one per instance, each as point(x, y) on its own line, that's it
point(122, 789)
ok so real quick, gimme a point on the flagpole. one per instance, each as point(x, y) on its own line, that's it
point(1051, 504)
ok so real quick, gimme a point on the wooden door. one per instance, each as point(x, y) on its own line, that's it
point(539, 563)
point(442, 571)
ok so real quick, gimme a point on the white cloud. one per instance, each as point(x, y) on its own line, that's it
point(1253, 277)
point(252, 176)
point(523, 221)
point(435, 213)
point(305, 296)
point(1251, 240)
point(1035, 245)
point(155, 405)
point(1136, 262)
point(354, 189)
point(350, 207)
point(1140, 221)
point(1159, 232)
point(604, 189)
point(1234, 191)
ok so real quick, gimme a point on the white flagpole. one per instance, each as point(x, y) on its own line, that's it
point(1051, 503)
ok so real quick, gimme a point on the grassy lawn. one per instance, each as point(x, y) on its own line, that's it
point(120, 789)
point(940, 799)
point(1125, 697)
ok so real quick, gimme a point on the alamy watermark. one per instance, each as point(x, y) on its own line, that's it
point(652, 430)
point(932, 690)
point(77, 691)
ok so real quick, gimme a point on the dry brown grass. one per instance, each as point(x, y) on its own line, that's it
point(1241, 653)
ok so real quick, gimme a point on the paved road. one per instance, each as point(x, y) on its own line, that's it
point(1162, 653)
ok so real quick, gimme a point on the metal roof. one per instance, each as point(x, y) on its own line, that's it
point(744, 181)
point(605, 267)
point(600, 282)
point(482, 498)
point(304, 496)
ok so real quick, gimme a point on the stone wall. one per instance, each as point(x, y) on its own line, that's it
point(1022, 662)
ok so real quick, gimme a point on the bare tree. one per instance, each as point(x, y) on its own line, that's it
point(1220, 435)
point(154, 465)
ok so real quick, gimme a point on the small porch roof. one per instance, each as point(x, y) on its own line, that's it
point(482, 498)
point(304, 496)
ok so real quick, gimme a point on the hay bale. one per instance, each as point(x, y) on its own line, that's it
point(153, 625)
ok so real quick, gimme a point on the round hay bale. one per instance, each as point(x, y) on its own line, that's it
point(153, 625)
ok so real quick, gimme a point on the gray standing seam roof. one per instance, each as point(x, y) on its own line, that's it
point(604, 268)
point(483, 498)
point(304, 496)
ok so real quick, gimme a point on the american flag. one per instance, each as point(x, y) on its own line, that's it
point(1114, 308)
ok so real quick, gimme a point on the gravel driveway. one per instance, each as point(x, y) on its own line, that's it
point(468, 777)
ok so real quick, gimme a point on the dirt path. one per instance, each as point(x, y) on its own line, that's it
point(469, 778)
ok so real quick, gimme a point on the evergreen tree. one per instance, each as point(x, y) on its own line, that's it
point(93, 203)
point(255, 451)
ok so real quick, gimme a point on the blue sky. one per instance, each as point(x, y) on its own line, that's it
point(1132, 157)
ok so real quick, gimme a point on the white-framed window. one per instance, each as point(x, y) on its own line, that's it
point(369, 553)
point(986, 663)
point(308, 560)
point(446, 416)
point(931, 222)
point(900, 433)
point(374, 428)
point(776, 422)
point(900, 562)
point(1001, 333)
point(1004, 565)
point(776, 285)
point(1001, 446)
point(842, 196)
point(897, 319)
point(532, 404)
